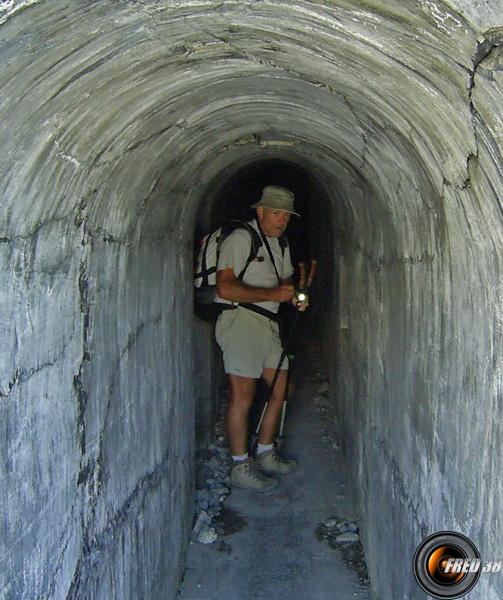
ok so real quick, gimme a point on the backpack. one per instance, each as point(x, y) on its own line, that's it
point(205, 277)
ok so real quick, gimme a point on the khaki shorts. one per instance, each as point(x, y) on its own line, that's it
point(250, 342)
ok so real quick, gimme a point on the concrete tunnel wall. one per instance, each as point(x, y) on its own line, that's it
point(118, 119)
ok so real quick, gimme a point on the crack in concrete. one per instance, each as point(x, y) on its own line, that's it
point(35, 232)
point(78, 384)
point(98, 232)
point(399, 484)
point(65, 538)
point(106, 237)
point(132, 340)
point(97, 162)
point(94, 546)
point(85, 71)
point(256, 139)
point(484, 50)
point(21, 377)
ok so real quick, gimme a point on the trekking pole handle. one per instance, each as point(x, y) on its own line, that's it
point(302, 277)
point(312, 271)
point(301, 291)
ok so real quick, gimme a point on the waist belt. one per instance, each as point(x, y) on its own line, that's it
point(254, 308)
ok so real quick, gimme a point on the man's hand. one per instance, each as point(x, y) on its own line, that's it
point(301, 306)
point(231, 288)
point(284, 293)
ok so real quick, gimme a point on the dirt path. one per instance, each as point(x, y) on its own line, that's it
point(282, 545)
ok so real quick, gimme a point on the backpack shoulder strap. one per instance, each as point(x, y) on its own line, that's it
point(256, 242)
point(283, 244)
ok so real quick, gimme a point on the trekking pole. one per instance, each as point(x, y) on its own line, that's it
point(301, 292)
point(301, 296)
point(278, 369)
point(280, 438)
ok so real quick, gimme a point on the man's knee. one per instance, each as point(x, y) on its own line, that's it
point(242, 390)
point(269, 376)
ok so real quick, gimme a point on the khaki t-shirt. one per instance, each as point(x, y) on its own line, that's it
point(260, 273)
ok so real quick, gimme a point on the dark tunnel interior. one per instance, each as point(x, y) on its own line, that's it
point(230, 196)
point(310, 237)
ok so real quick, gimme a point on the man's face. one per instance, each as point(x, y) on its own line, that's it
point(272, 221)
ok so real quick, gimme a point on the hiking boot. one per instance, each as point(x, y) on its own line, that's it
point(272, 462)
point(247, 475)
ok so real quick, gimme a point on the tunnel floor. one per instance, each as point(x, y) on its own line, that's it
point(283, 544)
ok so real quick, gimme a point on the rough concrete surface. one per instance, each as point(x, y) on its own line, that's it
point(128, 125)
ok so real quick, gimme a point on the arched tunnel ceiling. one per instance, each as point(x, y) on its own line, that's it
point(118, 116)
point(104, 100)
point(481, 13)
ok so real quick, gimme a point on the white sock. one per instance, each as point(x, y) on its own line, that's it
point(240, 457)
point(264, 448)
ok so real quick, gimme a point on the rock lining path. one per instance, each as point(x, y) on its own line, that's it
point(280, 545)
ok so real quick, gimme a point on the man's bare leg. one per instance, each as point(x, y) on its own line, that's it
point(245, 473)
point(267, 457)
point(270, 422)
point(236, 419)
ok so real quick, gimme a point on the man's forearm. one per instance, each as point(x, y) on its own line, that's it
point(229, 287)
point(237, 291)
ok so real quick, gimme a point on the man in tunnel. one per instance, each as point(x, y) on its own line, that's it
point(249, 335)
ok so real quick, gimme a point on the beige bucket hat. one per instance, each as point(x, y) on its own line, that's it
point(276, 197)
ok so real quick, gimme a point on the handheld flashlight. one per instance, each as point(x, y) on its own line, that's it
point(300, 296)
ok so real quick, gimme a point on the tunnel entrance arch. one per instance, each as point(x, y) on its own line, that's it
point(116, 115)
